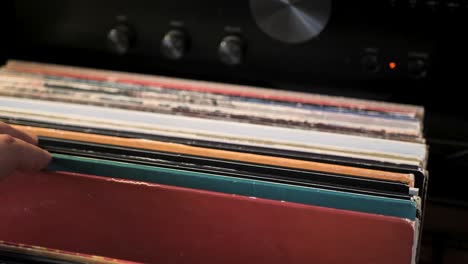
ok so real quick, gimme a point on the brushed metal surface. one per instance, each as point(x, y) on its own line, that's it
point(291, 21)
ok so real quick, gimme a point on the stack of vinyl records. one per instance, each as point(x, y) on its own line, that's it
point(162, 170)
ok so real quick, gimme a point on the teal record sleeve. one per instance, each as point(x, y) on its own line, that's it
point(231, 185)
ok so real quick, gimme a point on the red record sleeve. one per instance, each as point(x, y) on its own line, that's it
point(154, 223)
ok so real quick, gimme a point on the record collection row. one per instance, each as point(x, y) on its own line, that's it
point(162, 170)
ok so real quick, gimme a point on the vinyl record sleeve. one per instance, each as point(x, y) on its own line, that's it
point(420, 174)
point(168, 147)
point(239, 146)
point(204, 105)
point(156, 223)
point(230, 185)
point(214, 130)
point(177, 160)
point(271, 95)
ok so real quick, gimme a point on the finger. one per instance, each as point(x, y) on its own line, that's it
point(25, 136)
point(16, 154)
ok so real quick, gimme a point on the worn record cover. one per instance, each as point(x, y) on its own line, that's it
point(154, 223)
point(207, 105)
point(191, 128)
point(82, 139)
point(248, 170)
point(233, 185)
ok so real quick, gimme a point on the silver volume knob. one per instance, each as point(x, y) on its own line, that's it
point(174, 45)
point(120, 39)
point(291, 21)
point(231, 50)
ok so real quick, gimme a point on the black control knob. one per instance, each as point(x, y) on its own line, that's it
point(231, 50)
point(174, 45)
point(370, 62)
point(417, 67)
point(291, 21)
point(120, 39)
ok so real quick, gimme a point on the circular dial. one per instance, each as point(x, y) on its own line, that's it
point(120, 39)
point(291, 21)
point(174, 45)
point(231, 50)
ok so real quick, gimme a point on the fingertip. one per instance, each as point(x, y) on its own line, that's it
point(18, 133)
point(47, 158)
point(31, 138)
point(26, 136)
point(6, 140)
point(28, 157)
point(41, 159)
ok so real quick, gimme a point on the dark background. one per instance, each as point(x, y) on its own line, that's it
point(74, 33)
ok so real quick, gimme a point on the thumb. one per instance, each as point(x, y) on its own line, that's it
point(16, 154)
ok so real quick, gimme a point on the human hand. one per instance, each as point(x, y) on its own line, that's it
point(19, 151)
